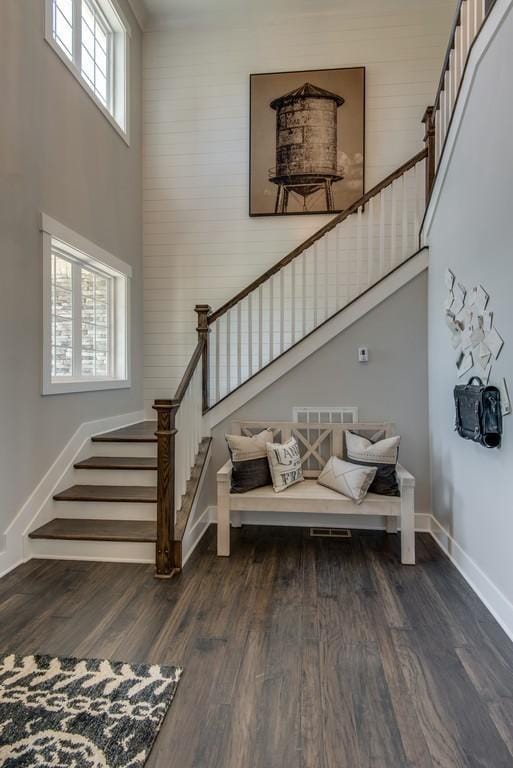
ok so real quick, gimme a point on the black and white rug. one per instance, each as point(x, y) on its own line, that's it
point(73, 713)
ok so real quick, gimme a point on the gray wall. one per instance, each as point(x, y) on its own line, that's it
point(472, 234)
point(58, 154)
point(392, 386)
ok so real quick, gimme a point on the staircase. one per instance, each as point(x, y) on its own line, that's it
point(134, 493)
point(114, 500)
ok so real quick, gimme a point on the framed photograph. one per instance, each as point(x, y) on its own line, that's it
point(307, 141)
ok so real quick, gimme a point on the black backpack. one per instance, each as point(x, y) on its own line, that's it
point(478, 413)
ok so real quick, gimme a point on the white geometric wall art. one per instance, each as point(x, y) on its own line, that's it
point(473, 335)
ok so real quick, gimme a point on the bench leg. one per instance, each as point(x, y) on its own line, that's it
point(235, 518)
point(391, 524)
point(407, 526)
point(223, 520)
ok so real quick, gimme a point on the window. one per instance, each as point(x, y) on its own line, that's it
point(86, 314)
point(91, 37)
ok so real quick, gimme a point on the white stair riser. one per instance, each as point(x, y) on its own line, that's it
point(122, 551)
point(103, 510)
point(120, 449)
point(113, 477)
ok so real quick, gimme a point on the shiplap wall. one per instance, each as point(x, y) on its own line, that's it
point(200, 245)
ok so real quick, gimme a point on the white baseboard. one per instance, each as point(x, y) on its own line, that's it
point(497, 603)
point(16, 548)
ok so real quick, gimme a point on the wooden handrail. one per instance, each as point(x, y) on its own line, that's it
point(317, 235)
point(189, 372)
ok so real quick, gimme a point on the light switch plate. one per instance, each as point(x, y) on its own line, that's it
point(363, 355)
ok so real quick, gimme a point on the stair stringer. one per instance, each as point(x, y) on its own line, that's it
point(365, 303)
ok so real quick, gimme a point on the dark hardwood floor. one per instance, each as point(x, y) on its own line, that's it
point(299, 652)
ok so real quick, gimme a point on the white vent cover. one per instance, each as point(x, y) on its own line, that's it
point(324, 415)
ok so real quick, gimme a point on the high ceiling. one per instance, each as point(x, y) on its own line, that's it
point(180, 10)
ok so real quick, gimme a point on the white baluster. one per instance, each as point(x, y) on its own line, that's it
point(239, 343)
point(218, 356)
point(250, 335)
point(271, 319)
point(382, 211)
point(370, 241)
point(417, 174)
point(260, 327)
point(326, 276)
point(315, 266)
point(293, 301)
point(393, 225)
point(303, 293)
point(228, 352)
point(404, 218)
point(438, 136)
point(359, 247)
point(338, 257)
point(282, 311)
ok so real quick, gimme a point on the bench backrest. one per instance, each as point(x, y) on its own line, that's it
point(317, 442)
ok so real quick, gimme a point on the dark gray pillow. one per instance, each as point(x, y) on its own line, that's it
point(382, 454)
point(249, 461)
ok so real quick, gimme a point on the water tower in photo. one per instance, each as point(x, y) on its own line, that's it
point(306, 145)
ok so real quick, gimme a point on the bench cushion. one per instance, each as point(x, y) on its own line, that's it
point(310, 497)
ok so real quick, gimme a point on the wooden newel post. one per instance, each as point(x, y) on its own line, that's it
point(203, 311)
point(429, 139)
point(165, 434)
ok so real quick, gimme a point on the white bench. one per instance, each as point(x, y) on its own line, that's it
point(317, 442)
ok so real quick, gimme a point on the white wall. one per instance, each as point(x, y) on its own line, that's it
point(199, 243)
point(58, 154)
point(472, 234)
point(392, 386)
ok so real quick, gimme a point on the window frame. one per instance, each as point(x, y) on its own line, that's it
point(118, 111)
point(91, 256)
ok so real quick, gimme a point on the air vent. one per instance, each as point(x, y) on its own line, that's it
point(331, 533)
point(325, 414)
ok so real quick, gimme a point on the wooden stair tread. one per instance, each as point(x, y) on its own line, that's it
point(116, 493)
point(97, 530)
point(142, 432)
point(118, 462)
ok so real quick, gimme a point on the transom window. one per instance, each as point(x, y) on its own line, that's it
point(96, 58)
point(90, 36)
point(86, 311)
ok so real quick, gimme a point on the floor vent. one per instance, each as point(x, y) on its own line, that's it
point(331, 533)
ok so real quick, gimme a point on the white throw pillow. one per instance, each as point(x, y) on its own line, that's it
point(348, 479)
point(285, 464)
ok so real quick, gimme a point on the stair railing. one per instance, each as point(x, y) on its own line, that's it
point(315, 281)
point(179, 433)
point(468, 22)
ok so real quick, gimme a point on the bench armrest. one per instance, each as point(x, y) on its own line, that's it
point(404, 478)
point(225, 473)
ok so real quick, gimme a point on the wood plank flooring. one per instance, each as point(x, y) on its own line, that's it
point(299, 652)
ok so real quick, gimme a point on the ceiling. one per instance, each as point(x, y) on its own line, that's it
point(180, 10)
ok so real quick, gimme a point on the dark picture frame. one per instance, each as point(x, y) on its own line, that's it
point(307, 141)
